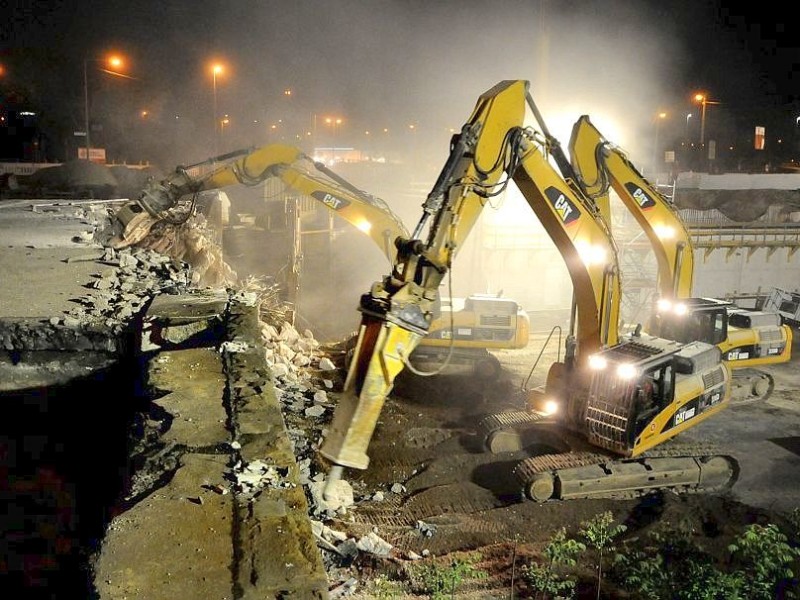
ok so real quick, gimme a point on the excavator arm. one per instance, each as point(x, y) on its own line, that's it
point(160, 200)
point(599, 164)
point(493, 148)
point(746, 338)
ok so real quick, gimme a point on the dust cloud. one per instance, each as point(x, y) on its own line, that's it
point(388, 83)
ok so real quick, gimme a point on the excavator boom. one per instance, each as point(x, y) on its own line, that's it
point(492, 149)
point(598, 165)
point(251, 167)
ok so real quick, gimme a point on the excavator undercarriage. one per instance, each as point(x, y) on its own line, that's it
point(564, 466)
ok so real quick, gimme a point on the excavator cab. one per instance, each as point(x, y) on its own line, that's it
point(745, 337)
point(646, 389)
point(691, 319)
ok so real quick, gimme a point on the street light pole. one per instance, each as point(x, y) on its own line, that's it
point(216, 69)
point(114, 62)
point(704, 101)
point(702, 120)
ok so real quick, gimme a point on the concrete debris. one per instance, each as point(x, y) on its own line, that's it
point(397, 488)
point(219, 489)
point(122, 290)
point(326, 533)
point(378, 497)
point(325, 364)
point(258, 475)
point(233, 347)
point(372, 543)
point(340, 497)
point(190, 243)
point(348, 588)
point(320, 397)
point(413, 555)
point(248, 298)
point(426, 529)
point(315, 411)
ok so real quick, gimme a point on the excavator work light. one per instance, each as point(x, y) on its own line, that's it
point(626, 371)
point(591, 254)
point(364, 225)
point(664, 232)
point(597, 363)
point(550, 407)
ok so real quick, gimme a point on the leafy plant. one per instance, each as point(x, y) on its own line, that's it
point(794, 523)
point(766, 556)
point(383, 588)
point(440, 582)
point(600, 534)
point(674, 567)
point(549, 579)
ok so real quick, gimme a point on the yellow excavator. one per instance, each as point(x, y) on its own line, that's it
point(464, 331)
point(610, 410)
point(747, 338)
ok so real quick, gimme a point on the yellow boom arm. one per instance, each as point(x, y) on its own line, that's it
point(250, 167)
point(492, 148)
point(598, 164)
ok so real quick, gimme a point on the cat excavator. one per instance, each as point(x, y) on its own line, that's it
point(747, 338)
point(610, 410)
point(464, 330)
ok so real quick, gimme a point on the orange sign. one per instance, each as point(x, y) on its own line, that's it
point(760, 137)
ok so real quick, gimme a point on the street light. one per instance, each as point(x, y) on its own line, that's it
point(224, 121)
point(704, 101)
point(216, 69)
point(114, 64)
point(659, 117)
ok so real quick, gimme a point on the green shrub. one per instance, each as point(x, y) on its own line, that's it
point(550, 579)
point(764, 554)
point(441, 582)
point(600, 534)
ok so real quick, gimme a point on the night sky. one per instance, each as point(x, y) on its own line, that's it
point(392, 64)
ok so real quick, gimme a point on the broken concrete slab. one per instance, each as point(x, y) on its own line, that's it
point(195, 408)
point(170, 545)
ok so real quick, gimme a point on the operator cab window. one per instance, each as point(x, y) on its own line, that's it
point(654, 392)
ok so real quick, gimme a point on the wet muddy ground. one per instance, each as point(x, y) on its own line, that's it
point(453, 498)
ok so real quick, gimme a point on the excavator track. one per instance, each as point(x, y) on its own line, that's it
point(751, 385)
point(505, 431)
point(686, 468)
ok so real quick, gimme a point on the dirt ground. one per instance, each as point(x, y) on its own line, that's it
point(456, 499)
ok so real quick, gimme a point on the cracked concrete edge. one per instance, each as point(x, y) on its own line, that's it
point(271, 542)
point(22, 335)
point(280, 556)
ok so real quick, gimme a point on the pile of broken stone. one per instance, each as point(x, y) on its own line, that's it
point(304, 377)
point(120, 291)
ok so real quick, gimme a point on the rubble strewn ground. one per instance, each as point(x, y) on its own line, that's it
point(432, 506)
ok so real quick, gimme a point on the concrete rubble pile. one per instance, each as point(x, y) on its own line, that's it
point(119, 292)
point(192, 242)
point(304, 376)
